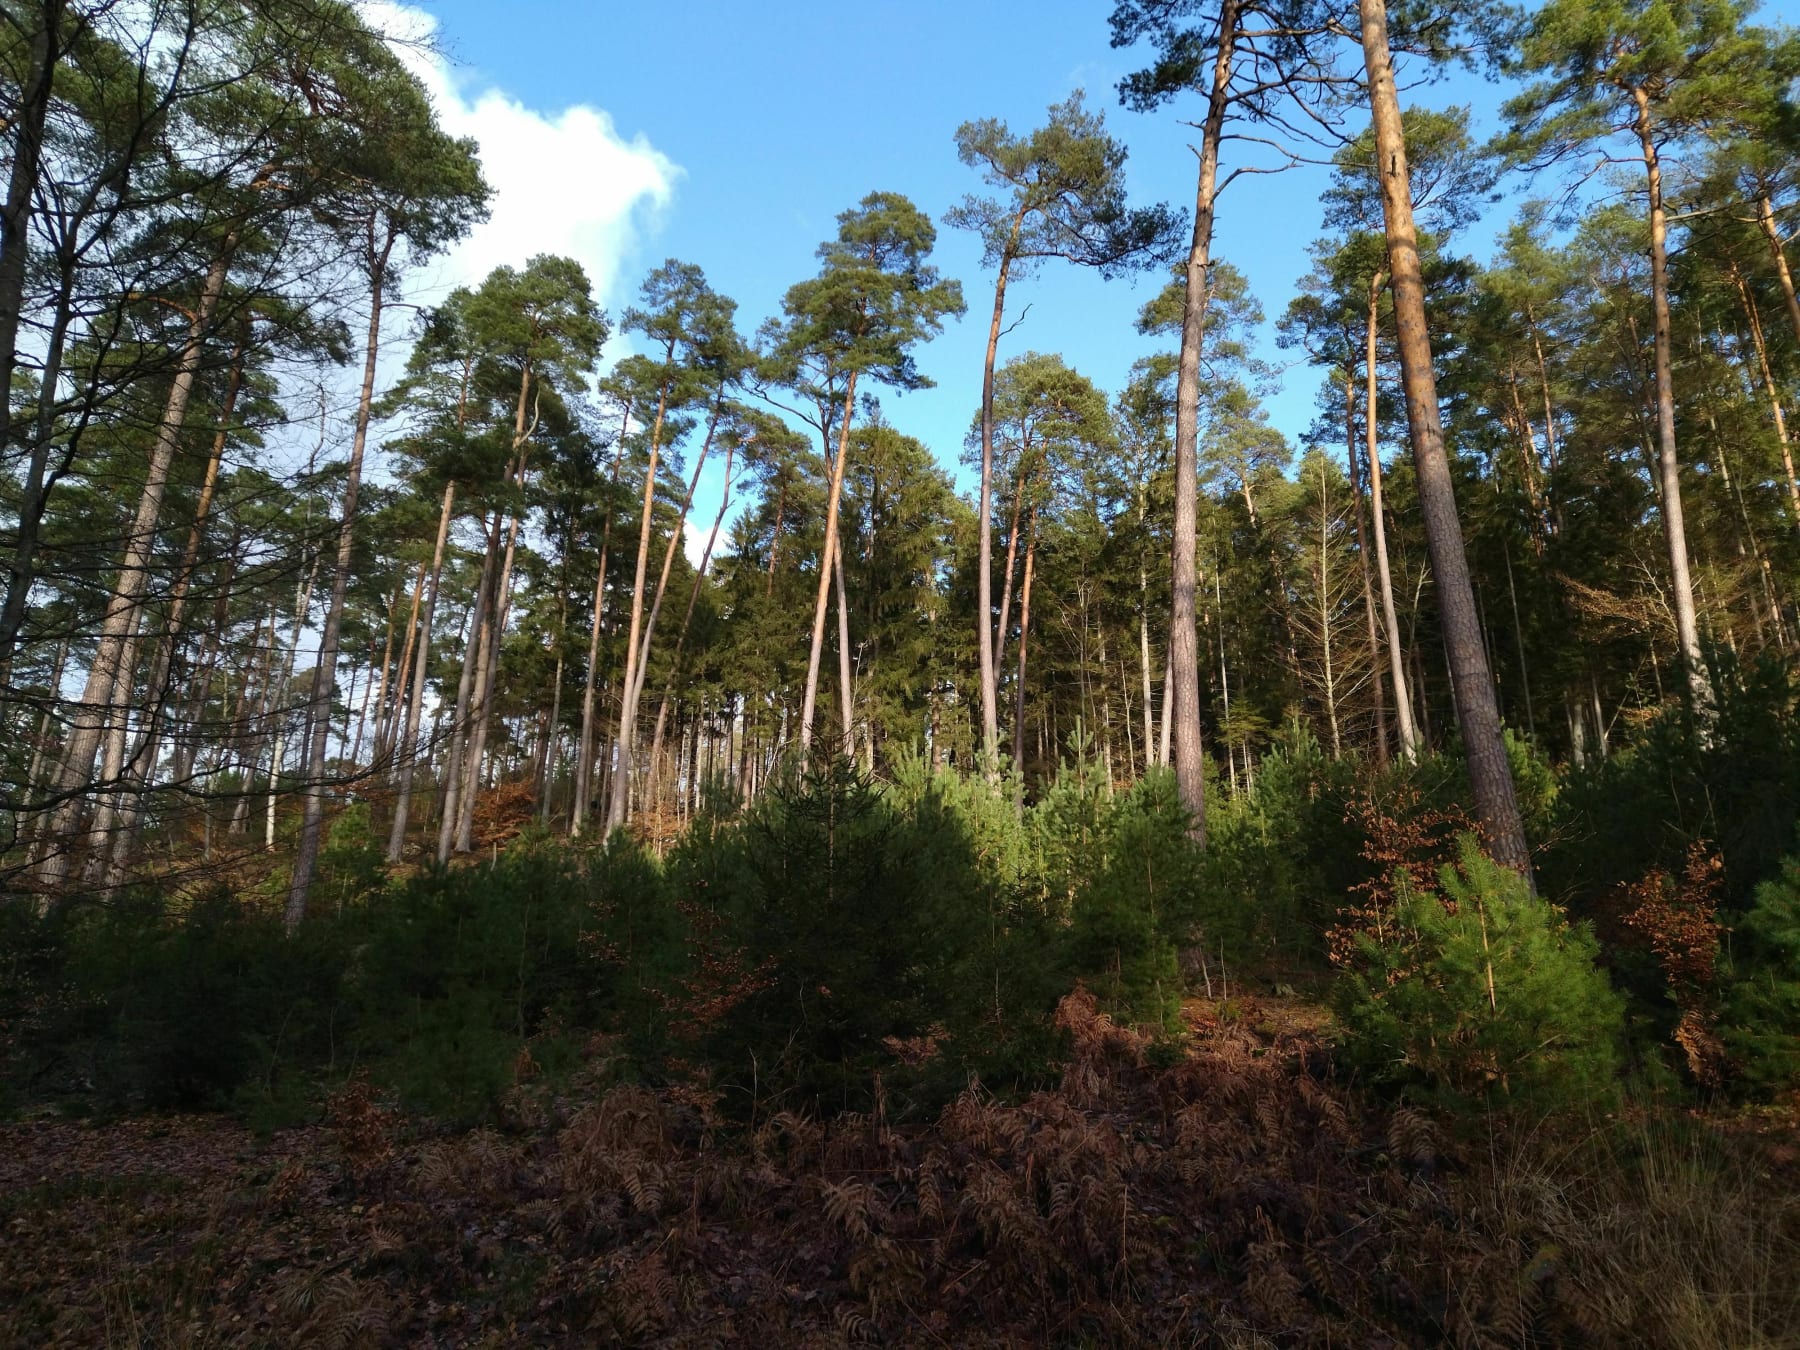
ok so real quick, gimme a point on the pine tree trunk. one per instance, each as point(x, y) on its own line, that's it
point(30, 109)
point(143, 760)
point(1512, 591)
point(1004, 624)
point(40, 744)
point(687, 619)
point(377, 688)
point(1362, 556)
point(1024, 633)
point(390, 702)
point(110, 675)
point(846, 688)
point(1773, 391)
point(584, 753)
point(312, 818)
point(1681, 585)
point(827, 557)
point(1409, 736)
point(1550, 453)
point(462, 719)
point(676, 538)
point(1025, 627)
point(619, 802)
point(984, 578)
point(481, 703)
point(1490, 776)
point(487, 674)
point(1765, 219)
point(407, 744)
point(1182, 690)
point(1331, 712)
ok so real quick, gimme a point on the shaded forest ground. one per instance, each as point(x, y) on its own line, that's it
point(1229, 1190)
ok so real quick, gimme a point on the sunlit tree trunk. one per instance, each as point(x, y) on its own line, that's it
point(1490, 775)
point(461, 720)
point(1681, 585)
point(846, 687)
point(827, 556)
point(584, 754)
point(1409, 736)
point(1362, 558)
point(984, 578)
point(1772, 389)
point(687, 619)
point(619, 802)
point(676, 538)
point(1182, 689)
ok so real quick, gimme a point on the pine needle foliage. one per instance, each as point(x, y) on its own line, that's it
point(1761, 1020)
point(1483, 991)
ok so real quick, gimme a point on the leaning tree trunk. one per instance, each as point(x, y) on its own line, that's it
point(1004, 623)
point(115, 655)
point(984, 579)
point(407, 745)
point(465, 684)
point(1774, 392)
point(390, 706)
point(635, 695)
point(846, 687)
point(487, 674)
point(618, 804)
point(1362, 556)
point(584, 753)
point(1490, 776)
point(687, 619)
point(487, 681)
point(1409, 736)
point(1765, 218)
point(143, 760)
point(312, 813)
point(1183, 678)
point(821, 604)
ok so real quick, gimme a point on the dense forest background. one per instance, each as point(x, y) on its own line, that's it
point(457, 753)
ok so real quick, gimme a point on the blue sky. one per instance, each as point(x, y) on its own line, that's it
point(746, 128)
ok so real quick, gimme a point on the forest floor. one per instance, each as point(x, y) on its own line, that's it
point(1235, 1196)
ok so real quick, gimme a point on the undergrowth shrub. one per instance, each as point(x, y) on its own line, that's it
point(1282, 854)
point(353, 863)
point(1761, 1013)
point(1661, 934)
point(1484, 990)
point(869, 934)
point(1730, 777)
point(459, 969)
point(187, 1008)
point(1136, 899)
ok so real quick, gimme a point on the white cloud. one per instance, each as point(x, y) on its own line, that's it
point(564, 182)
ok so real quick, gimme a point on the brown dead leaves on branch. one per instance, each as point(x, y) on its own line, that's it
point(1407, 843)
point(1677, 918)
